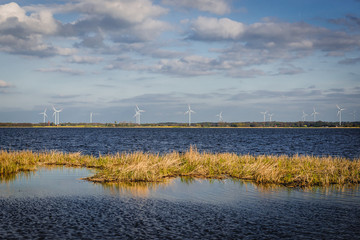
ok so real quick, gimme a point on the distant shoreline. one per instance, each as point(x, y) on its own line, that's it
point(176, 127)
point(246, 125)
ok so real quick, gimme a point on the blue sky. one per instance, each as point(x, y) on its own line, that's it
point(235, 57)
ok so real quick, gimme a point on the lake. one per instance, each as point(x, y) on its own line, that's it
point(54, 203)
point(333, 142)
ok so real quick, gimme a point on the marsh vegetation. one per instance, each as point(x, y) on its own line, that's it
point(291, 171)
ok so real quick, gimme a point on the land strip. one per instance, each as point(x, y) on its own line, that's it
point(300, 124)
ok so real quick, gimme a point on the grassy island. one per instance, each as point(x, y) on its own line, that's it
point(291, 171)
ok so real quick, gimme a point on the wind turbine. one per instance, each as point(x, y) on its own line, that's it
point(136, 116)
point(314, 113)
point(44, 113)
point(57, 112)
point(270, 116)
point(339, 113)
point(354, 115)
point(58, 115)
point(138, 112)
point(91, 115)
point(264, 113)
point(220, 117)
point(54, 114)
point(304, 115)
point(189, 112)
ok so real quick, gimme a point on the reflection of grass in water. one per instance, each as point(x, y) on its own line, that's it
point(187, 180)
point(333, 189)
point(292, 171)
point(7, 178)
point(134, 189)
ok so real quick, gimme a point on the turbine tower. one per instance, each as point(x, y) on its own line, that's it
point(264, 113)
point(189, 112)
point(137, 115)
point(56, 114)
point(45, 115)
point(220, 117)
point(270, 116)
point(91, 115)
point(304, 115)
point(354, 115)
point(314, 113)
point(339, 113)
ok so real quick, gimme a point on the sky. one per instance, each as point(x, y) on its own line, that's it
point(238, 57)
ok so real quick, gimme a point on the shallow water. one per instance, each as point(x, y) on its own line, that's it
point(55, 203)
point(334, 142)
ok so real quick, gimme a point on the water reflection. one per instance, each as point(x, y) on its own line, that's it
point(62, 181)
point(11, 177)
point(134, 189)
point(48, 181)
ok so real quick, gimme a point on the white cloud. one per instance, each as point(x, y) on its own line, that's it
point(13, 16)
point(272, 34)
point(213, 6)
point(289, 70)
point(24, 30)
point(142, 32)
point(22, 33)
point(85, 59)
point(4, 84)
point(205, 28)
point(132, 11)
point(125, 62)
point(118, 21)
point(61, 70)
point(269, 42)
point(150, 29)
point(190, 65)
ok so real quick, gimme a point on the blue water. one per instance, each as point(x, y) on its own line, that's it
point(333, 142)
point(57, 204)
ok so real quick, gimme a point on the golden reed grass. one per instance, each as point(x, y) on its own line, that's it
point(292, 171)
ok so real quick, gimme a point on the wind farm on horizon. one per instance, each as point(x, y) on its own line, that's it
point(267, 120)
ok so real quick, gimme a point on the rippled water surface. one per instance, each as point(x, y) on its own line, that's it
point(335, 142)
point(54, 203)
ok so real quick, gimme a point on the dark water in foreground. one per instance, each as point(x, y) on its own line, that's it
point(334, 142)
point(55, 204)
